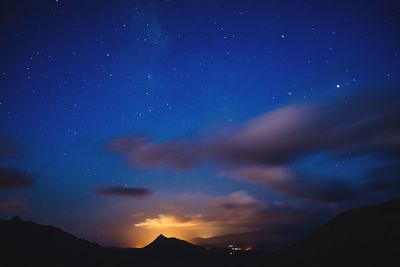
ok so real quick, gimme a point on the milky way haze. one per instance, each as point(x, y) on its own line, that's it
point(121, 121)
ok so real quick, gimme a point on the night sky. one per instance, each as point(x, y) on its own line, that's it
point(121, 120)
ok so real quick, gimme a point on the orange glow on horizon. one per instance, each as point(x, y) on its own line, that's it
point(146, 231)
point(166, 221)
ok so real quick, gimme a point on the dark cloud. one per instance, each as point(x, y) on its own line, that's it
point(364, 123)
point(11, 206)
point(124, 191)
point(15, 178)
point(8, 149)
point(240, 208)
point(385, 178)
point(288, 182)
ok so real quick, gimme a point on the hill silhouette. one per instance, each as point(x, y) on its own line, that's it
point(367, 236)
point(164, 244)
point(359, 237)
point(27, 242)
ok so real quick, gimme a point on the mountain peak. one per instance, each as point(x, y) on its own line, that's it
point(161, 237)
point(170, 244)
point(163, 241)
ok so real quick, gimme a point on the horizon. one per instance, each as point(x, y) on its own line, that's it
point(197, 119)
point(162, 235)
point(17, 218)
point(230, 246)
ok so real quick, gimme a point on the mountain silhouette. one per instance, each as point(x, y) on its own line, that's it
point(368, 236)
point(172, 245)
point(360, 237)
point(24, 242)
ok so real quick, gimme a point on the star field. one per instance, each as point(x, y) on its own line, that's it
point(199, 114)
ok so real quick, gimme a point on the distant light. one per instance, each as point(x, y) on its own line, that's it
point(337, 85)
point(166, 221)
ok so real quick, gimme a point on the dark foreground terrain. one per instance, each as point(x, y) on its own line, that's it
point(361, 237)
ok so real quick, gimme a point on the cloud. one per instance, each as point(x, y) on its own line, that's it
point(237, 200)
point(15, 178)
point(385, 179)
point(265, 148)
point(368, 122)
point(293, 184)
point(135, 214)
point(197, 215)
point(11, 206)
point(236, 212)
point(124, 191)
point(140, 152)
point(272, 138)
point(163, 221)
point(8, 149)
point(240, 211)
